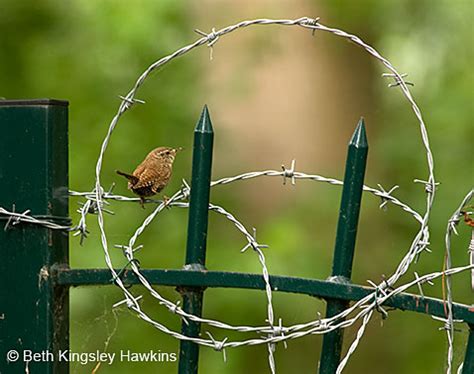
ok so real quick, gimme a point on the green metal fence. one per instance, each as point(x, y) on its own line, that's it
point(34, 305)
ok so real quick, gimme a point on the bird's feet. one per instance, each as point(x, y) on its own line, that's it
point(166, 202)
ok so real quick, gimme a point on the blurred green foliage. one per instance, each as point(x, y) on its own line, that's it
point(92, 52)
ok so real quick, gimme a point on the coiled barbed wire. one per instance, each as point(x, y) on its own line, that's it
point(363, 309)
point(421, 239)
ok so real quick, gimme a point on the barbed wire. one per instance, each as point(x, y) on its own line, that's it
point(319, 326)
point(450, 229)
point(184, 193)
point(90, 207)
point(14, 218)
point(269, 334)
point(386, 196)
point(421, 239)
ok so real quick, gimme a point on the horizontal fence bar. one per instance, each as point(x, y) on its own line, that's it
point(311, 287)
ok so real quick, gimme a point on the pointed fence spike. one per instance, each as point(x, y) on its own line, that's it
point(204, 124)
point(197, 237)
point(345, 241)
point(359, 138)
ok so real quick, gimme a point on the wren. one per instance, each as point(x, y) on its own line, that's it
point(153, 174)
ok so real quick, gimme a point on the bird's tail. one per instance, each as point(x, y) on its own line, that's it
point(130, 177)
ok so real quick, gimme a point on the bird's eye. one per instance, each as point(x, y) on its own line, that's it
point(167, 152)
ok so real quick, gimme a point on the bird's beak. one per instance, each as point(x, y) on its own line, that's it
point(179, 149)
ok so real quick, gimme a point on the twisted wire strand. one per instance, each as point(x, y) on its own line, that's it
point(272, 334)
point(420, 241)
point(15, 218)
point(450, 229)
point(184, 192)
point(172, 307)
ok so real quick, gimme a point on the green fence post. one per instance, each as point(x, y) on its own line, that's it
point(345, 242)
point(468, 365)
point(34, 314)
point(197, 235)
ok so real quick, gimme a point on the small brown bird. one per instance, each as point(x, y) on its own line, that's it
point(153, 174)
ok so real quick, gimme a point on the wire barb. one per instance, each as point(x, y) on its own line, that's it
point(430, 187)
point(212, 39)
point(185, 189)
point(311, 22)
point(386, 195)
point(131, 302)
point(15, 218)
point(379, 290)
point(398, 78)
point(279, 331)
point(219, 346)
point(127, 250)
point(447, 323)
point(289, 173)
point(129, 101)
point(176, 308)
point(419, 283)
point(253, 242)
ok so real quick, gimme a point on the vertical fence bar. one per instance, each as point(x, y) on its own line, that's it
point(468, 365)
point(34, 313)
point(197, 236)
point(345, 241)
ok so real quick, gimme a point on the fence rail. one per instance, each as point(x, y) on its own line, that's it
point(219, 279)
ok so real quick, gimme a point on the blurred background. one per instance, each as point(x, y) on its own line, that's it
point(274, 94)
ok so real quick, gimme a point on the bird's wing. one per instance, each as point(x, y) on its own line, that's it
point(163, 176)
point(147, 176)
